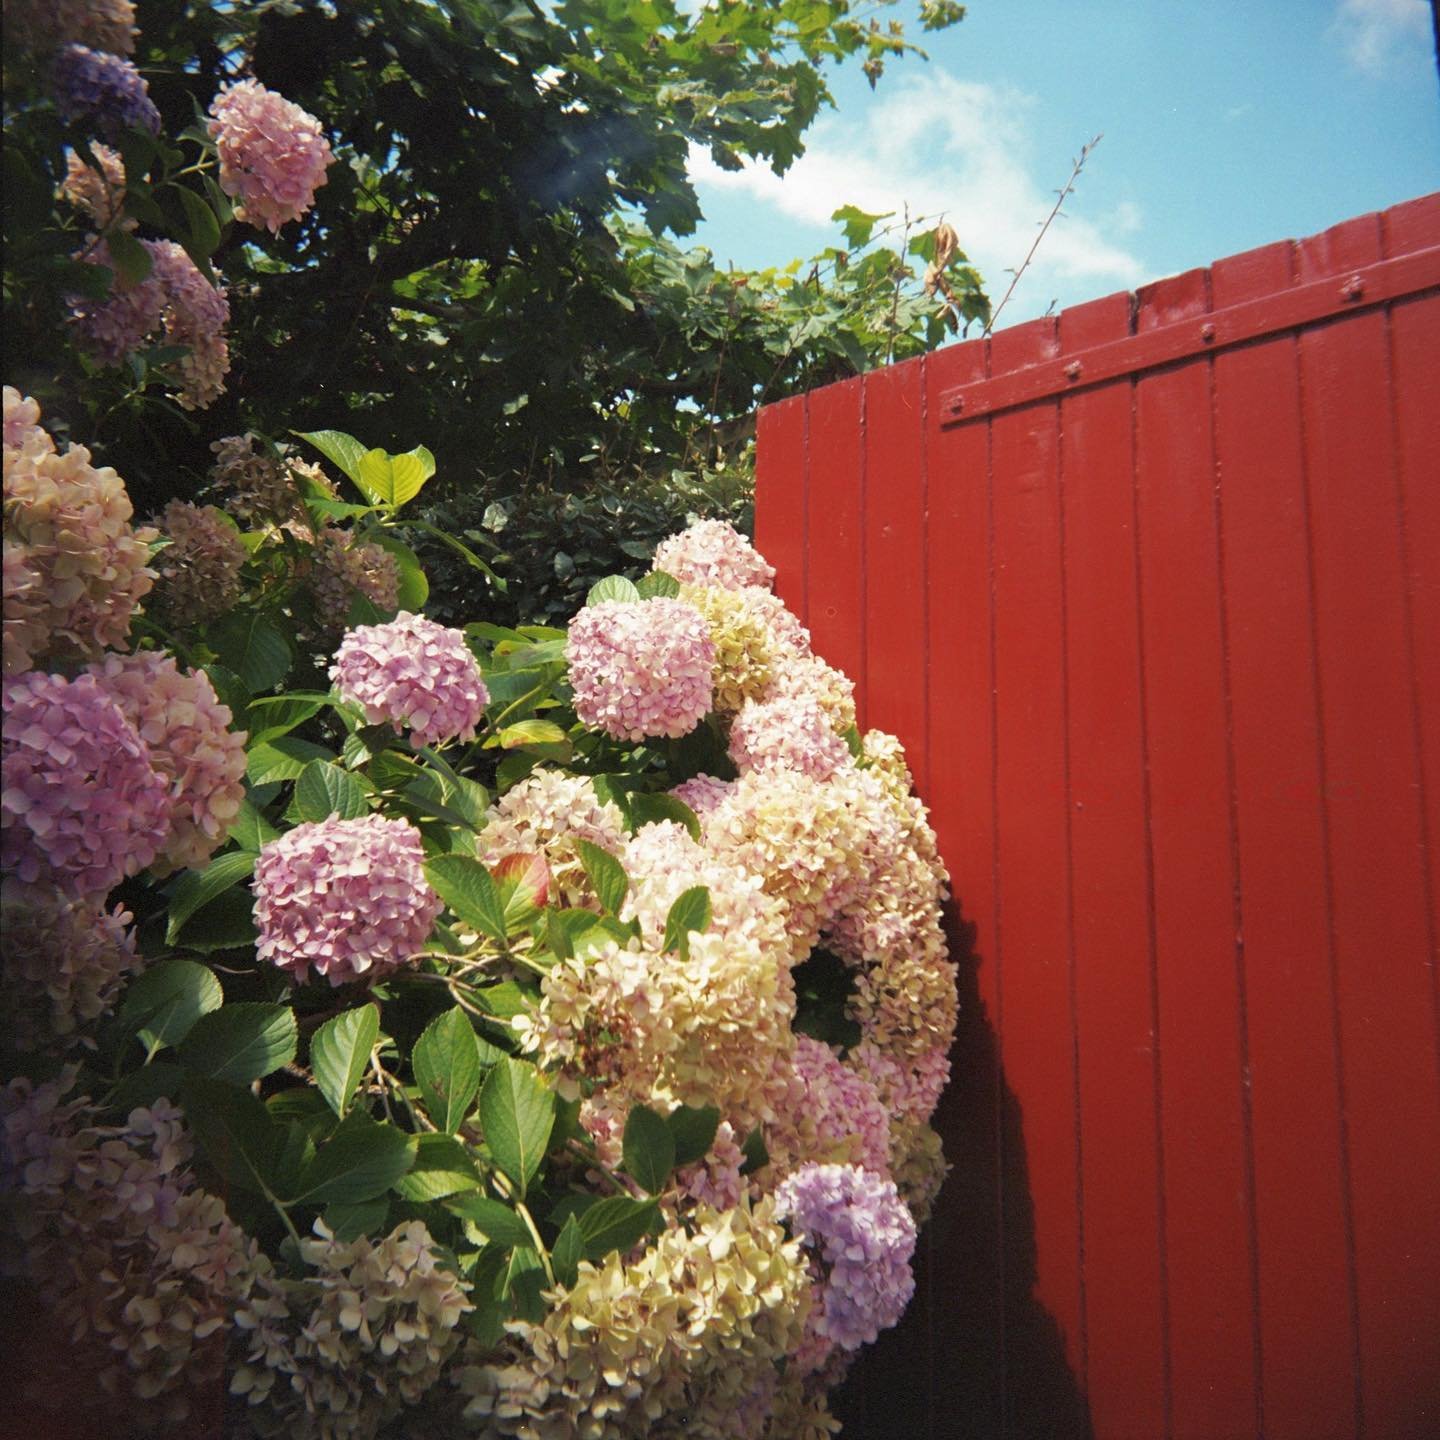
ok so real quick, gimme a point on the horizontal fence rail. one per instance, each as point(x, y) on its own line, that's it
point(1151, 592)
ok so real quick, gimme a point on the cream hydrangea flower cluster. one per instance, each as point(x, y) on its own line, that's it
point(365, 1334)
point(75, 567)
point(676, 1338)
point(98, 194)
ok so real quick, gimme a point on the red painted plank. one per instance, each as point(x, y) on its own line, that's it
point(1415, 349)
point(835, 525)
point(1413, 225)
point(1384, 987)
point(1306, 1344)
point(969, 1230)
point(895, 487)
point(1111, 957)
point(1037, 1032)
point(780, 480)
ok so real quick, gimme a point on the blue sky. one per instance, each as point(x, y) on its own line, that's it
point(1226, 125)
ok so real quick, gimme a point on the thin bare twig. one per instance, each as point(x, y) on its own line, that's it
point(1069, 189)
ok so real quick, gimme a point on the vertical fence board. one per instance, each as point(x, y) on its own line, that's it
point(835, 527)
point(781, 476)
point(1171, 631)
point(1288, 1003)
point(969, 1223)
point(1038, 1030)
point(1109, 900)
point(895, 497)
point(1415, 343)
point(1384, 997)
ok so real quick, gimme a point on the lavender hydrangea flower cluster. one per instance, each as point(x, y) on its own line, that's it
point(415, 674)
point(272, 155)
point(103, 90)
point(346, 896)
point(641, 669)
point(82, 805)
point(859, 1230)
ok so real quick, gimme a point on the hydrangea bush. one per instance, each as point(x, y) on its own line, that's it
point(469, 1031)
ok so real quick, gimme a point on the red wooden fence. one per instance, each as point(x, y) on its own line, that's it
point(1151, 592)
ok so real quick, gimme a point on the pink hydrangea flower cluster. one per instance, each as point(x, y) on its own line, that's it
point(415, 674)
point(702, 793)
point(174, 297)
point(65, 961)
point(82, 806)
point(713, 552)
point(641, 670)
point(792, 731)
point(99, 194)
point(199, 570)
point(863, 1236)
point(74, 566)
point(843, 1107)
point(910, 1090)
point(187, 731)
point(348, 897)
point(272, 154)
point(342, 569)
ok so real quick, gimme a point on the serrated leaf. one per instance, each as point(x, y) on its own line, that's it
point(165, 1001)
point(145, 1086)
point(282, 759)
point(324, 790)
point(506, 1000)
point(613, 587)
point(250, 830)
point(858, 224)
point(567, 1252)
point(517, 895)
point(361, 1160)
point(694, 1132)
point(204, 228)
point(340, 1051)
point(253, 648)
point(226, 923)
point(466, 886)
point(199, 887)
point(645, 809)
point(524, 1280)
point(649, 1149)
point(532, 732)
point(442, 1167)
point(234, 1129)
point(487, 1320)
point(657, 585)
point(447, 1068)
point(496, 1221)
point(241, 1042)
point(529, 873)
point(691, 911)
point(350, 1222)
point(616, 1223)
point(340, 449)
point(517, 1110)
point(606, 874)
point(275, 715)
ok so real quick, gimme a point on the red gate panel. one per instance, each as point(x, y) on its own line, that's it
point(1151, 592)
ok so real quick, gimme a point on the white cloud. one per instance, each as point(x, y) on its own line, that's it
point(959, 148)
point(1373, 31)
